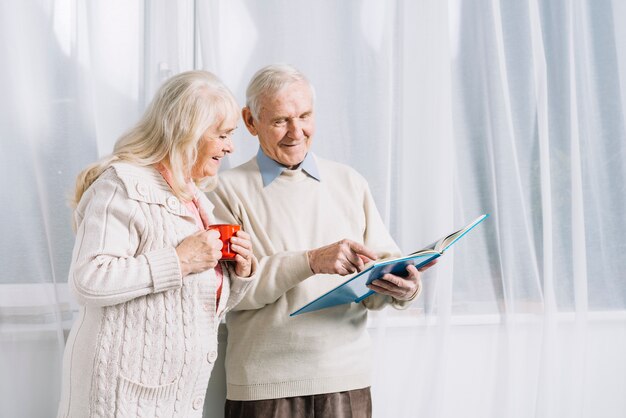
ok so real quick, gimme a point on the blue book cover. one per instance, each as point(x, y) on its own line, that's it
point(355, 288)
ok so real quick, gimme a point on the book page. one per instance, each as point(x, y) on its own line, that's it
point(446, 242)
point(427, 249)
point(384, 261)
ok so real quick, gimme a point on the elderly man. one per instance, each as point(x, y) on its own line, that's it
point(312, 221)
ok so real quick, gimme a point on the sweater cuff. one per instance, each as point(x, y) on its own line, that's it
point(165, 269)
point(297, 264)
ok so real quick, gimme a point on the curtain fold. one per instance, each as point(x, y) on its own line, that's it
point(40, 121)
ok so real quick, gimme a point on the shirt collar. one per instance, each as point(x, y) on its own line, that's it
point(270, 169)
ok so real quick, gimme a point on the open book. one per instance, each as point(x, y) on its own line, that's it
point(355, 289)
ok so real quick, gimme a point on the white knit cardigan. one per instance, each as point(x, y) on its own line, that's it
point(145, 341)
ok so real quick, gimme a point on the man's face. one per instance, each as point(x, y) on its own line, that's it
point(286, 124)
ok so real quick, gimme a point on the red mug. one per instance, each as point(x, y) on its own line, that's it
point(226, 232)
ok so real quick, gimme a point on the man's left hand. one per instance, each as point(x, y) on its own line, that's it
point(401, 288)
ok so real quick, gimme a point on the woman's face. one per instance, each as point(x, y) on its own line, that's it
point(215, 143)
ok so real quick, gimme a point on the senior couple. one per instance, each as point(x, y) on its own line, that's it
point(152, 290)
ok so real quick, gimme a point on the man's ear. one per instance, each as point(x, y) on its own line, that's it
point(248, 119)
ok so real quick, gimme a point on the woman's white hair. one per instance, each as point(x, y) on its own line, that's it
point(270, 80)
point(183, 108)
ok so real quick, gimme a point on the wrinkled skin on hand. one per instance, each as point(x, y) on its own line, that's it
point(401, 288)
point(241, 244)
point(199, 252)
point(342, 257)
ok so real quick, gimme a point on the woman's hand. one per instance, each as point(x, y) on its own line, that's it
point(199, 252)
point(242, 245)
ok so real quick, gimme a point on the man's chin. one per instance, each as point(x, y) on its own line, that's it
point(292, 164)
point(291, 160)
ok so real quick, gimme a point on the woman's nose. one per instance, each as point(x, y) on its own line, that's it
point(228, 146)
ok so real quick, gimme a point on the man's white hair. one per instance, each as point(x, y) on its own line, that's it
point(270, 80)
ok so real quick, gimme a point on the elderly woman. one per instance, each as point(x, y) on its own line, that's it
point(145, 268)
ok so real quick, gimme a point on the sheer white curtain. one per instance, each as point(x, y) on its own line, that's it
point(72, 80)
point(46, 131)
point(521, 327)
point(455, 109)
point(449, 109)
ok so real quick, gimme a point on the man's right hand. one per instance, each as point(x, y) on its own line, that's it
point(343, 257)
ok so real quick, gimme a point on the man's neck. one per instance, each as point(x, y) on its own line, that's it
point(290, 167)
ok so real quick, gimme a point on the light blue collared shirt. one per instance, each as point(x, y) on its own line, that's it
point(270, 169)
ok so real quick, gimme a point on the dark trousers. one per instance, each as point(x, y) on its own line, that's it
point(350, 404)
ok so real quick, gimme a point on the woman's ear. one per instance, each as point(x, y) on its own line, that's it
point(248, 119)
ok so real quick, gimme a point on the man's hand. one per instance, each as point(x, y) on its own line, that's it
point(343, 257)
point(401, 288)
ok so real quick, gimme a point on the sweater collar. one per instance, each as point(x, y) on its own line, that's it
point(270, 169)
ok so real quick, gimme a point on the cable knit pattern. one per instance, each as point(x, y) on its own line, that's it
point(188, 338)
point(101, 368)
point(136, 350)
point(168, 303)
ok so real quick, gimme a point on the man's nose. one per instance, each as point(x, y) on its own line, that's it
point(296, 129)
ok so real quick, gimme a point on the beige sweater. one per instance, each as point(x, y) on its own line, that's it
point(145, 341)
point(269, 354)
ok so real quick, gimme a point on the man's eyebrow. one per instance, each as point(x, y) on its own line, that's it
point(284, 117)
